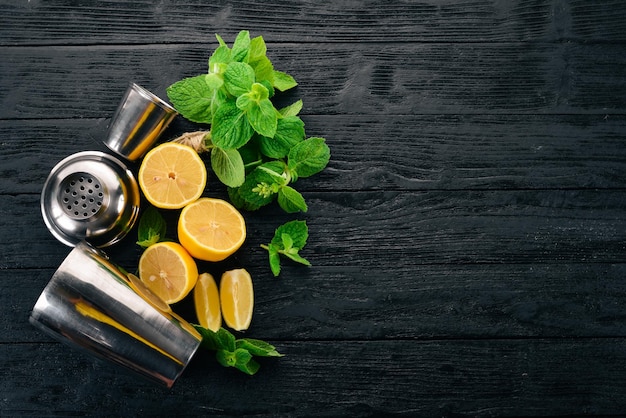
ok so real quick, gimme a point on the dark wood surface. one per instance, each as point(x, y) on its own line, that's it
point(468, 237)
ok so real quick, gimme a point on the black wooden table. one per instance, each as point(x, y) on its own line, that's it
point(468, 238)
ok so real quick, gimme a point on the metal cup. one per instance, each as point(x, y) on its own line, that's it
point(140, 119)
point(91, 305)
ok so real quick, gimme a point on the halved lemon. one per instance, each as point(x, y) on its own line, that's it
point(207, 302)
point(237, 299)
point(168, 270)
point(172, 175)
point(211, 229)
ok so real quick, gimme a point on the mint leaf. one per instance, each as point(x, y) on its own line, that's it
point(256, 194)
point(258, 49)
point(151, 228)
point(245, 362)
point(274, 259)
point(287, 241)
point(220, 96)
point(290, 200)
point(260, 111)
point(230, 128)
point(292, 110)
point(297, 230)
point(237, 199)
point(275, 169)
point(242, 356)
point(238, 78)
point(250, 368)
point(255, 94)
point(308, 157)
point(221, 56)
point(214, 81)
point(225, 357)
point(269, 87)
point(262, 184)
point(258, 348)
point(241, 47)
point(228, 166)
point(237, 353)
point(226, 339)
point(241, 359)
point(263, 70)
point(289, 132)
point(220, 340)
point(263, 117)
point(273, 147)
point(245, 102)
point(192, 97)
point(209, 338)
point(221, 41)
point(283, 81)
point(294, 256)
point(259, 92)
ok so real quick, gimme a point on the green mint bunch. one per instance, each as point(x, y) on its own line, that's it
point(237, 353)
point(256, 150)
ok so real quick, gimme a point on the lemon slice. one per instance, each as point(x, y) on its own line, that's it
point(168, 271)
point(237, 299)
point(172, 175)
point(207, 302)
point(211, 229)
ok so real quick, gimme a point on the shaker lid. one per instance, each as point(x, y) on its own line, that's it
point(90, 196)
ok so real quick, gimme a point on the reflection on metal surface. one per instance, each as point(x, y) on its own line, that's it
point(89, 303)
point(90, 196)
point(139, 120)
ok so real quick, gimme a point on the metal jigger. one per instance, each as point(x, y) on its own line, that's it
point(140, 119)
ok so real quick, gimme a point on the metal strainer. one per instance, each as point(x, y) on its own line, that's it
point(90, 196)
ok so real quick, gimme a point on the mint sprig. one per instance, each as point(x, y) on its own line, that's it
point(237, 353)
point(247, 130)
point(288, 240)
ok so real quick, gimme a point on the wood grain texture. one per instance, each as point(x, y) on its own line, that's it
point(467, 237)
point(436, 378)
point(487, 301)
point(369, 79)
point(491, 152)
point(400, 229)
point(54, 22)
point(398, 153)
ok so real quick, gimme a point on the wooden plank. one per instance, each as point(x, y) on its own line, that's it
point(397, 153)
point(424, 378)
point(369, 79)
point(470, 227)
point(398, 228)
point(313, 21)
point(574, 300)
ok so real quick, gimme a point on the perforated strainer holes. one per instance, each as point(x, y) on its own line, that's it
point(81, 195)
